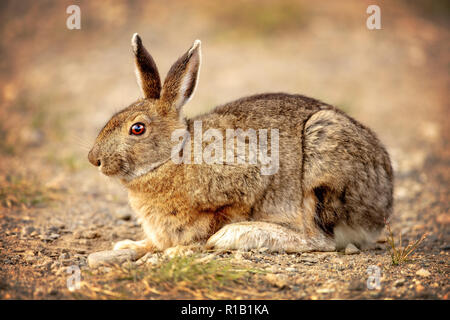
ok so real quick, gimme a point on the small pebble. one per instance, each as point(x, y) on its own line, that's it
point(325, 290)
point(423, 273)
point(351, 249)
point(54, 236)
point(420, 288)
point(308, 260)
point(30, 259)
point(277, 280)
point(44, 237)
point(35, 233)
point(52, 229)
point(86, 234)
point(148, 258)
point(123, 214)
point(399, 282)
point(27, 231)
point(64, 256)
point(110, 257)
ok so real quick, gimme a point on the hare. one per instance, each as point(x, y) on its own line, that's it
point(332, 186)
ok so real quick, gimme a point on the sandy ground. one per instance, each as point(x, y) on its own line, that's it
point(56, 209)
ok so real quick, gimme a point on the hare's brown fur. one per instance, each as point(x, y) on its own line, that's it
point(333, 186)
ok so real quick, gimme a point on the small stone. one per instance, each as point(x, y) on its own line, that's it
point(52, 229)
point(238, 255)
point(420, 288)
point(27, 231)
point(123, 214)
point(325, 290)
point(309, 260)
point(54, 236)
point(40, 291)
point(111, 257)
point(45, 265)
point(351, 249)
point(86, 234)
point(273, 269)
point(104, 269)
point(44, 237)
point(64, 256)
point(153, 260)
point(291, 269)
point(62, 270)
point(30, 259)
point(423, 273)
point(399, 282)
point(148, 258)
point(277, 280)
point(35, 233)
point(91, 234)
point(263, 249)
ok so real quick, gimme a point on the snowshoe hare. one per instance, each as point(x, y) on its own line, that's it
point(328, 180)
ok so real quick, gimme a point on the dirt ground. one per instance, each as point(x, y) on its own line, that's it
point(59, 86)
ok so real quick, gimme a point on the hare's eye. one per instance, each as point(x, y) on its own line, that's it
point(137, 129)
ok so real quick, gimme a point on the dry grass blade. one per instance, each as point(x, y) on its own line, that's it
point(400, 254)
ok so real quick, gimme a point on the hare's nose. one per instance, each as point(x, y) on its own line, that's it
point(94, 159)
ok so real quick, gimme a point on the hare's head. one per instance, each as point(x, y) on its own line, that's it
point(138, 139)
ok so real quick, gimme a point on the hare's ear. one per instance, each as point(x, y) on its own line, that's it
point(182, 78)
point(146, 72)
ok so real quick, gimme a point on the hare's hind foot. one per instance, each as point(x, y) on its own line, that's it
point(141, 247)
point(254, 235)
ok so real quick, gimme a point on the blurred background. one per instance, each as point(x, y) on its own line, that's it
point(58, 86)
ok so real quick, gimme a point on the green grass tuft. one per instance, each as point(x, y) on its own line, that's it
point(180, 276)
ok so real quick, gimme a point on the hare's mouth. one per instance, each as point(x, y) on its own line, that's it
point(124, 172)
point(117, 168)
point(110, 172)
point(143, 170)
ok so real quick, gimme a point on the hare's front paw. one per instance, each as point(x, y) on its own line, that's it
point(141, 247)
